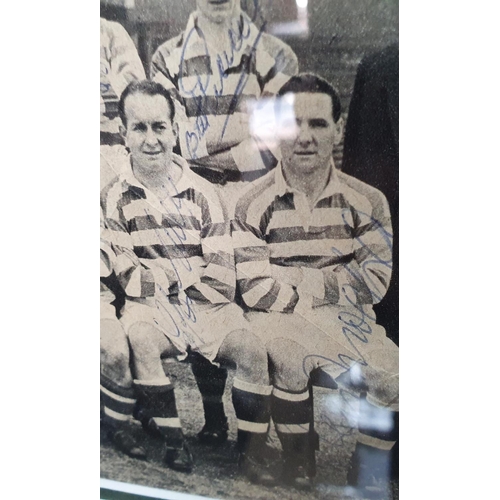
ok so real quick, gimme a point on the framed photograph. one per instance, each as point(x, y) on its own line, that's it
point(249, 249)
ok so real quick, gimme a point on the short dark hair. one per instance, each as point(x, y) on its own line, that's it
point(311, 83)
point(145, 87)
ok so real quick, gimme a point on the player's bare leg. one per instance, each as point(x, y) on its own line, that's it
point(375, 378)
point(116, 388)
point(251, 394)
point(158, 410)
point(292, 411)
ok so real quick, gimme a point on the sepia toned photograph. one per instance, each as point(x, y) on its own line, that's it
point(249, 214)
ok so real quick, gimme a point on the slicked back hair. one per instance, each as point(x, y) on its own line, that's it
point(313, 84)
point(145, 87)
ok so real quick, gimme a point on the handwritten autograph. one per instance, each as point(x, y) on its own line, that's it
point(237, 33)
point(176, 235)
point(104, 84)
point(387, 237)
point(357, 321)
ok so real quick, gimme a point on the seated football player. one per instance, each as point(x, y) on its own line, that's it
point(313, 254)
point(180, 281)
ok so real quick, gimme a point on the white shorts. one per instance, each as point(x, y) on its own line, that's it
point(197, 328)
point(337, 339)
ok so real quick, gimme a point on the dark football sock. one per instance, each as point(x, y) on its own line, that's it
point(117, 403)
point(292, 413)
point(211, 382)
point(157, 402)
point(252, 407)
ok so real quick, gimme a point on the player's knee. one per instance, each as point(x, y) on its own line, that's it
point(115, 353)
point(116, 366)
point(289, 366)
point(114, 344)
point(285, 354)
point(249, 355)
point(142, 338)
point(385, 390)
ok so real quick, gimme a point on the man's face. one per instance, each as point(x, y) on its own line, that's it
point(218, 11)
point(307, 132)
point(150, 135)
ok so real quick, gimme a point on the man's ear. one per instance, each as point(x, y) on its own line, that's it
point(339, 131)
point(175, 129)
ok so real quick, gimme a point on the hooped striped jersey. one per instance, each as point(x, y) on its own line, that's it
point(163, 248)
point(120, 65)
point(215, 89)
point(340, 251)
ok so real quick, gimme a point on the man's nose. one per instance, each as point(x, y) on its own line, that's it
point(304, 135)
point(151, 138)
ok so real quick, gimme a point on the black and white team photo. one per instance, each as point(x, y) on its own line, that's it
point(249, 216)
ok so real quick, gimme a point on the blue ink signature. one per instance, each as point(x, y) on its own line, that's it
point(357, 320)
point(242, 82)
point(197, 91)
point(177, 236)
point(186, 317)
point(225, 61)
point(364, 275)
point(105, 87)
point(178, 239)
point(257, 11)
point(237, 33)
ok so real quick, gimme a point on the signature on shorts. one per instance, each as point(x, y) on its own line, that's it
point(356, 320)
